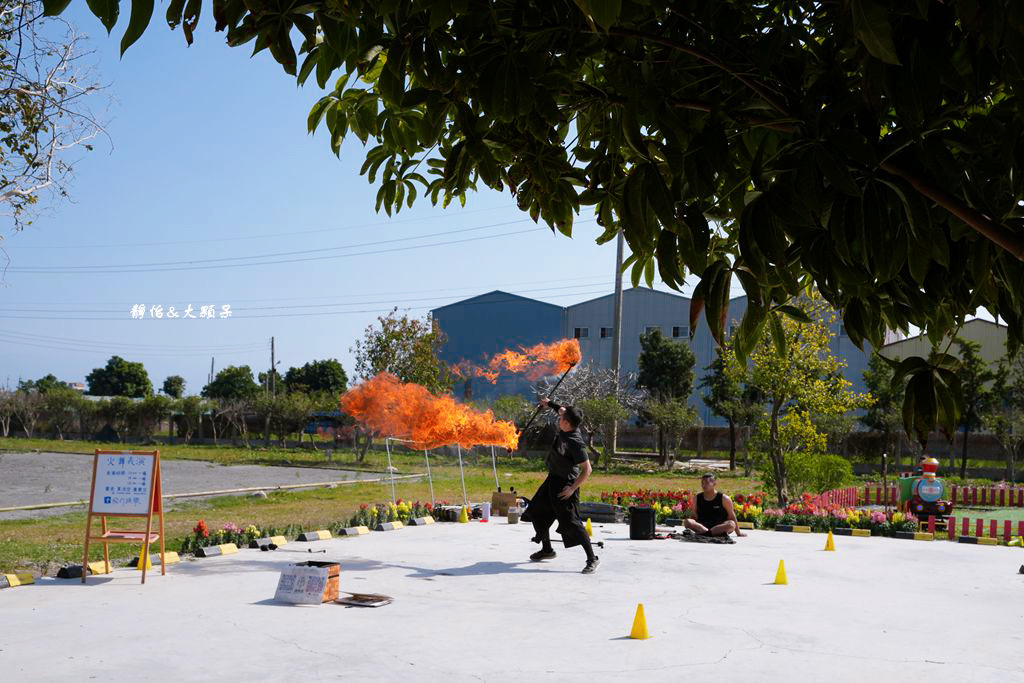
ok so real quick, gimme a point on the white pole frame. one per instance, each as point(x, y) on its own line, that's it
point(494, 465)
point(426, 458)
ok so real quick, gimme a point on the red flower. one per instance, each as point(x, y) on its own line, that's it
point(201, 530)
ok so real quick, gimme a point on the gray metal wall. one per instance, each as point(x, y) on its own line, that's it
point(484, 325)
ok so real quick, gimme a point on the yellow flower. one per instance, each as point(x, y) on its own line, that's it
point(897, 517)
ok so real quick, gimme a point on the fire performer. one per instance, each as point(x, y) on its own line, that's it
point(559, 496)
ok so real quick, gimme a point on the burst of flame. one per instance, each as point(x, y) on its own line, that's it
point(536, 361)
point(395, 408)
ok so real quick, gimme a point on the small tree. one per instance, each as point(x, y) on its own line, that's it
point(292, 414)
point(6, 411)
point(174, 386)
point(1004, 415)
point(118, 413)
point(42, 385)
point(61, 409)
point(666, 373)
point(192, 410)
point(88, 416)
point(28, 406)
point(318, 376)
point(672, 417)
point(119, 378)
point(601, 415)
point(235, 411)
point(728, 395)
point(233, 383)
point(975, 377)
point(149, 413)
point(407, 348)
point(885, 414)
point(797, 376)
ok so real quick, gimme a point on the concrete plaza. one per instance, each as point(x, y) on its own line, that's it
point(469, 606)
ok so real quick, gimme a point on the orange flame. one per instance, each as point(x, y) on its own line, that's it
point(395, 408)
point(536, 361)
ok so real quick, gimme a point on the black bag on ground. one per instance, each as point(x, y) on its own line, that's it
point(641, 523)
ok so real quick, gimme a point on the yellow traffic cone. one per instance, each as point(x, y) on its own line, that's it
point(830, 543)
point(639, 631)
point(147, 562)
point(589, 528)
point(464, 515)
point(780, 576)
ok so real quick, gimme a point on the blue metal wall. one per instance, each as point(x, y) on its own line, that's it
point(479, 327)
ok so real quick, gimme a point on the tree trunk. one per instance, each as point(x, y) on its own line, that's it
point(748, 466)
point(1011, 462)
point(663, 449)
point(266, 431)
point(963, 455)
point(778, 462)
point(732, 445)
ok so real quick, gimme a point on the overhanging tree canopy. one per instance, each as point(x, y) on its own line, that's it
point(871, 149)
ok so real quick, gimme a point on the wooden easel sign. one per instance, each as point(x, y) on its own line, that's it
point(125, 484)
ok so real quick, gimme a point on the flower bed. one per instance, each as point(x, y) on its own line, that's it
point(807, 512)
point(671, 504)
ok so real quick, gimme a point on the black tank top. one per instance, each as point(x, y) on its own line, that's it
point(710, 512)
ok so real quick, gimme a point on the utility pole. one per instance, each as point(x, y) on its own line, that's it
point(210, 379)
point(617, 333)
point(273, 369)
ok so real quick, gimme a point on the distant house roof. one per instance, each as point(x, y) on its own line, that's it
point(497, 296)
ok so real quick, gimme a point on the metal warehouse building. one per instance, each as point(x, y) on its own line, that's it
point(481, 326)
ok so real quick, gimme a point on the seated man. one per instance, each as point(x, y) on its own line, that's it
point(713, 511)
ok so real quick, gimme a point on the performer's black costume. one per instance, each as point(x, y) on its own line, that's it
point(568, 452)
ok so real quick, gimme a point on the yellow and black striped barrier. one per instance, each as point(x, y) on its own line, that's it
point(276, 541)
point(355, 531)
point(795, 528)
point(388, 526)
point(13, 580)
point(852, 532)
point(100, 567)
point(421, 521)
point(914, 535)
point(307, 536)
point(745, 525)
point(978, 540)
point(154, 559)
point(215, 550)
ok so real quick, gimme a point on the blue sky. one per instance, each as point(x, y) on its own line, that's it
point(208, 159)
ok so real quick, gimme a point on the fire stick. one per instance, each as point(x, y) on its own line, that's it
point(550, 395)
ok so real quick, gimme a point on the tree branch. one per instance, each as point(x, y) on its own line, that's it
point(756, 88)
point(995, 232)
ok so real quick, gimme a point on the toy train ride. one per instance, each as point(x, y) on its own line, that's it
point(922, 492)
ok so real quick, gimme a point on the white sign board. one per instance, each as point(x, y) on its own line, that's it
point(123, 484)
point(302, 585)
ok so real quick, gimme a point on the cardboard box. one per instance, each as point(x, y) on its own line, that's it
point(309, 583)
point(500, 502)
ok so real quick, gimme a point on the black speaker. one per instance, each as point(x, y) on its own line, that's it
point(641, 523)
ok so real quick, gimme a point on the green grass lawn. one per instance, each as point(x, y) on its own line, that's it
point(32, 544)
point(1013, 514)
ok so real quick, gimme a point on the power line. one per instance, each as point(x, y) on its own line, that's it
point(471, 289)
point(166, 347)
point(254, 237)
point(53, 270)
point(287, 253)
point(162, 354)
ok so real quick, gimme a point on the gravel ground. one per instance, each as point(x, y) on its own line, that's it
point(32, 478)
